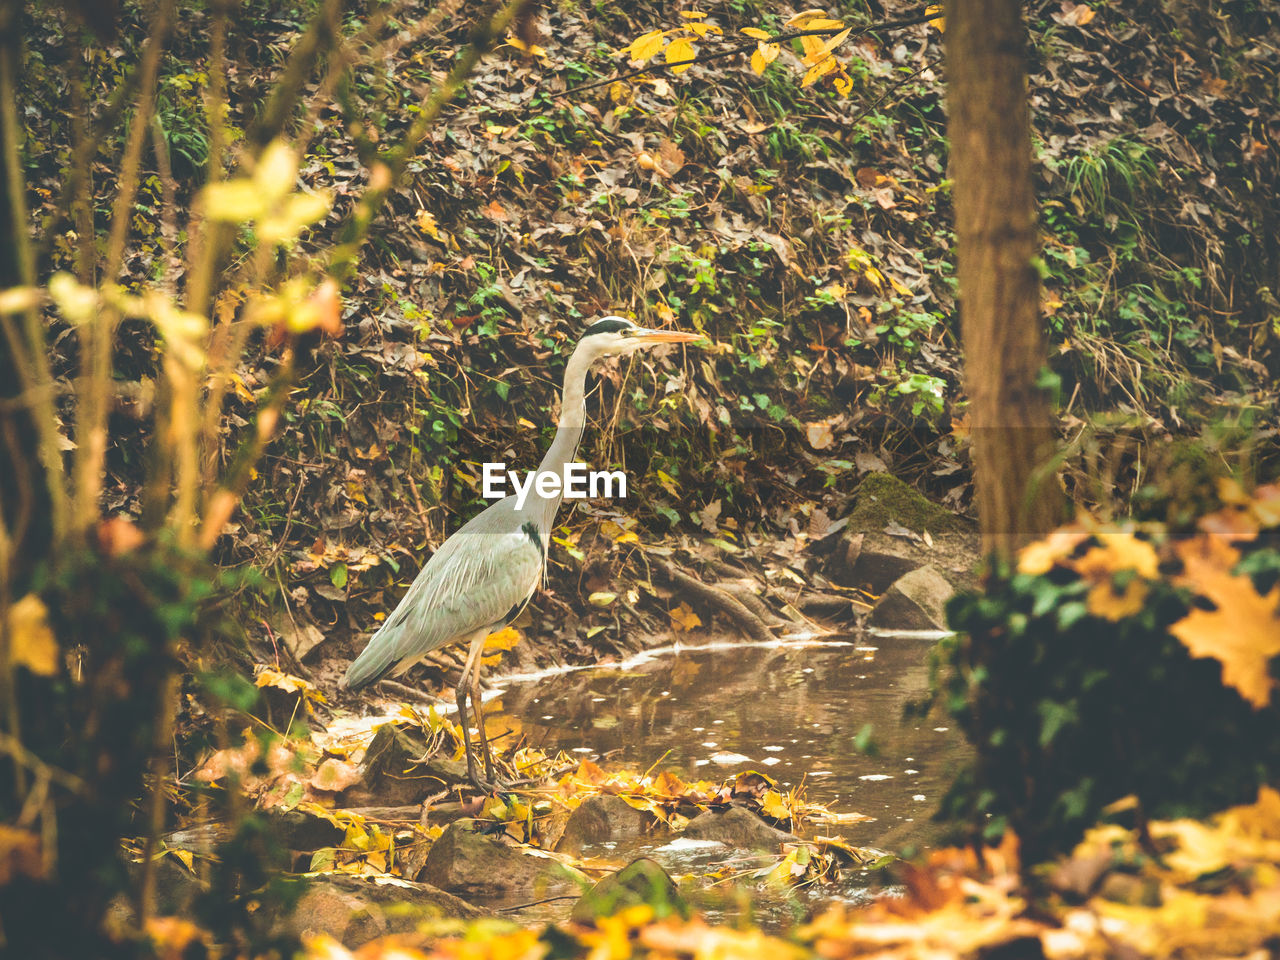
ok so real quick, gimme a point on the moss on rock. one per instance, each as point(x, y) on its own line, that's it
point(882, 498)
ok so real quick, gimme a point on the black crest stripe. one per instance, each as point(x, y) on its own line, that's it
point(607, 326)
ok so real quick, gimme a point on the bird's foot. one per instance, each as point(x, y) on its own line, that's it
point(489, 783)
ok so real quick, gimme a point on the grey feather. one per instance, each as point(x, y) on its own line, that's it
point(479, 579)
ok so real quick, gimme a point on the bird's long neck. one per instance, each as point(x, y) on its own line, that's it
point(573, 418)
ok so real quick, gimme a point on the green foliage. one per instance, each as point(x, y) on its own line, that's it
point(1069, 712)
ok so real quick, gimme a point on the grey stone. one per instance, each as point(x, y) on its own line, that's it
point(355, 910)
point(602, 818)
point(916, 601)
point(738, 827)
point(641, 881)
point(473, 864)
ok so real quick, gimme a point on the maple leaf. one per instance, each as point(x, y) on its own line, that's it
point(1243, 632)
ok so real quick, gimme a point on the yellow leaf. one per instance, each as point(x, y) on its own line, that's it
point(647, 46)
point(234, 201)
point(755, 33)
point(1103, 601)
point(1119, 551)
point(266, 677)
point(758, 63)
point(939, 22)
point(427, 224)
point(843, 84)
point(678, 50)
point(532, 50)
point(31, 642)
point(692, 14)
point(277, 171)
point(812, 47)
point(504, 639)
point(773, 804)
point(819, 70)
point(241, 389)
point(804, 16)
point(835, 41)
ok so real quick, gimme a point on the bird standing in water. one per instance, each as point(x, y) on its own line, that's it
point(482, 577)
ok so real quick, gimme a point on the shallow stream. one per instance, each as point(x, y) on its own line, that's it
point(790, 710)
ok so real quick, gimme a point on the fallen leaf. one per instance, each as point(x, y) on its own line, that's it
point(31, 641)
point(1243, 632)
point(684, 618)
point(335, 775)
point(819, 434)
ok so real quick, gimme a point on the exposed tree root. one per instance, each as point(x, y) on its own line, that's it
point(754, 626)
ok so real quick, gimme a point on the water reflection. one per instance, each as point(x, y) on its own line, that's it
point(792, 711)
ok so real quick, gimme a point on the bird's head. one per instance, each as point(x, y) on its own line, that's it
point(614, 336)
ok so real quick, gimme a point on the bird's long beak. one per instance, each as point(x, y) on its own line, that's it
point(645, 335)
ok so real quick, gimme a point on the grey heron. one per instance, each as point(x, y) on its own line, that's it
point(483, 576)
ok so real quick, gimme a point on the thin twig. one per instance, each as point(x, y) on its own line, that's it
point(98, 335)
point(884, 96)
point(27, 347)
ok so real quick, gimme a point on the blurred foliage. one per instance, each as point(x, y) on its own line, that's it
point(1113, 664)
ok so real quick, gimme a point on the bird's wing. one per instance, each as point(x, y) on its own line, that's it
point(480, 577)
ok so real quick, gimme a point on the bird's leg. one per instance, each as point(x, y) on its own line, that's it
point(477, 701)
point(461, 696)
point(472, 668)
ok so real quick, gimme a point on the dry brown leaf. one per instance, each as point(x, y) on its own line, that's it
point(335, 775)
point(819, 434)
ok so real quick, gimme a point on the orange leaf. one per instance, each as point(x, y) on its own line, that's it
point(1243, 633)
point(819, 434)
point(1039, 557)
point(684, 618)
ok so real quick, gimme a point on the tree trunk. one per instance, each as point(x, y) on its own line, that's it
point(1017, 493)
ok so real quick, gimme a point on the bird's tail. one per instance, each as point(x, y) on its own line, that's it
point(374, 663)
